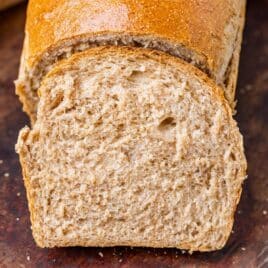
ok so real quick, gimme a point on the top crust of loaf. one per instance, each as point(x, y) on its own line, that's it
point(208, 28)
point(206, 34)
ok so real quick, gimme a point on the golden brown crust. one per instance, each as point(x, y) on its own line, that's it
point(231, 74)
point(202, 26)
point(22, 150)
point(22, 83)
point(206, 33)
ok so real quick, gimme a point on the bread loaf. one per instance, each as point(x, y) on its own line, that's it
point(131, 147)
point(204, 33)
point(132, 139)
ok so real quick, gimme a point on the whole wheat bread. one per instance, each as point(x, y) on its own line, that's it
point(207, 34)
point(131, 147)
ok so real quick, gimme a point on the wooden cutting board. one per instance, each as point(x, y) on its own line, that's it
point(248, 245)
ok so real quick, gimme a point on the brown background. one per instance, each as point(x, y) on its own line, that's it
point(248, 245)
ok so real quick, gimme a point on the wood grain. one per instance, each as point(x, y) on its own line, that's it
point(248, 245)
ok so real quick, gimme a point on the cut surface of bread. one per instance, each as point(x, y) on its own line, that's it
point(131, 147)
point(207, 34)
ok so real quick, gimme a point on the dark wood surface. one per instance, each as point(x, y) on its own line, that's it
point(248, 245)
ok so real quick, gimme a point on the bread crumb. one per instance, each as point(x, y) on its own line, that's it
point(1, 161)
point(101, 254)
point(183, 251)
point(6, 174)
point(232, 231)
point(165, 252)
point(243, 248)
point(28, 258)
point(239, 211)
point(245, 89)
point(248, 87)
point(120, 260)
point(17, 219)
point(264, 212)
point(18, 194)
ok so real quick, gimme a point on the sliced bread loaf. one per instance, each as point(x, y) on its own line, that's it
point(131, 147)
point(207, 34)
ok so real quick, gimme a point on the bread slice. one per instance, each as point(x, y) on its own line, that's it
point(207, 34)
point(131, 147)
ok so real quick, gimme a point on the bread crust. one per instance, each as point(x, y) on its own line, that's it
point(215, 91)
point(206, 30)
point(199, 25)
point(231, 74)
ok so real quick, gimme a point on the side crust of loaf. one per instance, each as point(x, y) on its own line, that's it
point(231, 73)
point(48, 111)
